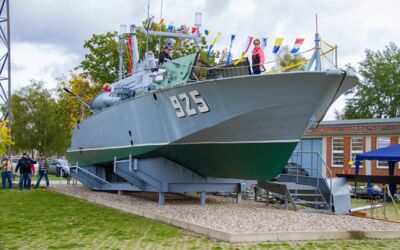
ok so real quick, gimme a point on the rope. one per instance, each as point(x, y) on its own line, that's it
point(391, 197)
point(297, 64)
point(287, 67)
point(327, 44)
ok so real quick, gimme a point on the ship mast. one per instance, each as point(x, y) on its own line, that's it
point(316, 57)
point(121, 51)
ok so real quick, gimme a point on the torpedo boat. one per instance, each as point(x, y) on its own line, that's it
point(232, 124)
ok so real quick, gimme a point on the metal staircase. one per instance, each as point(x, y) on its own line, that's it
point(315, 193)
point(307, 196)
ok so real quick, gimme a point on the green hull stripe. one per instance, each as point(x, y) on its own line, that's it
point(255, 161)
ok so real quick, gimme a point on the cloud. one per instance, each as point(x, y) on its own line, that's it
point(44, 62)
point(69, 22)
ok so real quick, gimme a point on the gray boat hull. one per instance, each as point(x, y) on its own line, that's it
point(247, 130)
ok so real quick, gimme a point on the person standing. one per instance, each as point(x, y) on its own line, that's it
point(24, 167)
point(43, 170)
point(6, 172)
point(257, 58)
point(165, 56)
point(106, 88)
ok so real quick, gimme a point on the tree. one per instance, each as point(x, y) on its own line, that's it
point(285, 58)
point(102, 61)
point(5, 137)
point(35, 125)
point(377, 95)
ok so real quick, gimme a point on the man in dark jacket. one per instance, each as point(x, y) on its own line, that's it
point(24, 167)
point(164, 56)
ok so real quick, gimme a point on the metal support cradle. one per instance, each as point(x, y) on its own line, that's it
point(158, 175)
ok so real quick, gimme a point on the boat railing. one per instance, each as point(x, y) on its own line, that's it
point(86, 172)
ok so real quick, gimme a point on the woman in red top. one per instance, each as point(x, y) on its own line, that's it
point(257, 57)
point(106, 88)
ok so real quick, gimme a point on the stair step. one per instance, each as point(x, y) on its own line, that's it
point(310, 188)
point(308, 195)
point(300, 202)
point(328, 211)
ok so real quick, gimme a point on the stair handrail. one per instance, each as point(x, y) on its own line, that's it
point(319, 156)
point(91, 174)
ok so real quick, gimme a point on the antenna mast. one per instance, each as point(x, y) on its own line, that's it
point(159, 39)
point(316, 57)
point(149, 24)
point(121, 51)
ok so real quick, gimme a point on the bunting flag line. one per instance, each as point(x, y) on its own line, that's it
point(277, 45)
point(249, 41)
point(228, 60)
point(297, 45)
point(212, 44)
point(264, 42)
point(159, 24)
point(206, 32)
point(194, 29)
point(170, 28)
point(181, 29)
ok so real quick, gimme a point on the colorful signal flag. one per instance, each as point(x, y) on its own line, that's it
point(277, 45)
point(297, 45)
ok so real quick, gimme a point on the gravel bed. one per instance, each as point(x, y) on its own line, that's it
point(224, 214)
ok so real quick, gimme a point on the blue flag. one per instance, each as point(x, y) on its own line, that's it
point(230, 48)
point(264, 42)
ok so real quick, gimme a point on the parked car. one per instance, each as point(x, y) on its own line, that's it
point(54, 163)
point(14, 162)
point(293, 168)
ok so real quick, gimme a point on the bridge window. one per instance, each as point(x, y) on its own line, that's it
point(337, 152)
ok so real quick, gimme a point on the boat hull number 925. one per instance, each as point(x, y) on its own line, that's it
point(189, 104)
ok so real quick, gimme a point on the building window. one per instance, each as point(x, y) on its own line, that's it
point(337, 152)
point(357, 147)
point(382, 142)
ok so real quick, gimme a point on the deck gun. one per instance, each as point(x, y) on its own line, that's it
point(87, 105)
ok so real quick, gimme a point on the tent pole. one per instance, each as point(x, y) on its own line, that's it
point(392, 187)
point(356, 173)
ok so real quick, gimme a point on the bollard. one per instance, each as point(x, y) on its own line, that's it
point(202, 198)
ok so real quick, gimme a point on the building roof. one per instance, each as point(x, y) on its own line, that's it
point(356, 127)
point(369, 122)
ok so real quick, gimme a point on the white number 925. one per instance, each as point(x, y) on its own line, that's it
point(200, 104)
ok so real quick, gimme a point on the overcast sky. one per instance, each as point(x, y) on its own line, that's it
point(47, 35)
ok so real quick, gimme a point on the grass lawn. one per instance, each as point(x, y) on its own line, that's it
point(39, 219)
point(34, 178)
point(391, 212)
point(52, 177)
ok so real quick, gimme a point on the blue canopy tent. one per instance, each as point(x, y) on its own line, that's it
point(390, 154)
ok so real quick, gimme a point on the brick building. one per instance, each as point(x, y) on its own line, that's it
point(338, 141)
